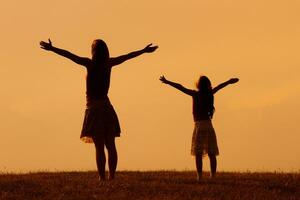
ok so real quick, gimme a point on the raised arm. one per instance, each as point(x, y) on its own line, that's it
point(177, 86)
point(77, 59)
point(120, 59)
point(222, 85)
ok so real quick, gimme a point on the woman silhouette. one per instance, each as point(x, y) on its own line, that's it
point(101, 124)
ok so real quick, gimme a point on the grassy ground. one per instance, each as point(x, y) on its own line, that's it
point(150, 185)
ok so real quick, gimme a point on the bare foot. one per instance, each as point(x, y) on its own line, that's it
point(213, 175)
point(199, 177)
point(102, 181)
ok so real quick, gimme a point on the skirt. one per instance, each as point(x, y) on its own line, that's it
point(204, 139)
point(100, 121)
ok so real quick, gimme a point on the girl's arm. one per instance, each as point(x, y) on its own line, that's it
point(177, 86)
point(118, 60)
point(79, 60)
point(222, 85)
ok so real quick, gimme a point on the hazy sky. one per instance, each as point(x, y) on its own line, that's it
point(43, 95)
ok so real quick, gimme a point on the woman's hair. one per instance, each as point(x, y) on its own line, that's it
point(205, 89)
point(100, 51)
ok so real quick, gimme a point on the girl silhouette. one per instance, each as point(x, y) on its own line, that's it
point(204, 141)
point(101, 124)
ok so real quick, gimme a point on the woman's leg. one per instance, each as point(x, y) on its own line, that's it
point(213, 164)
point(100, 157)
point(112, 156)
point(199, 165)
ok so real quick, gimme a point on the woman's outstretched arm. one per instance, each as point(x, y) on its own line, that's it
point(77, 59)
point(120, 59)
point(222, 85)
point(177, 86)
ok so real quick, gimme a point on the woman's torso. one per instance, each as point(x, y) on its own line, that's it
point(97, 82)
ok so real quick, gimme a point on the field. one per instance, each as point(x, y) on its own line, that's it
point(149, 185)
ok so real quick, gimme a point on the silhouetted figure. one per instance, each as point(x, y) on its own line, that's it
point(204, 139)
point(101, 124)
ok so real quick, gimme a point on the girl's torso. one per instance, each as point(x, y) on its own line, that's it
point(202, 106)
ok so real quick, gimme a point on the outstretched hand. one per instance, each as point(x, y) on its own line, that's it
point(149, 48)
point(233, 80)
point(45, 45)
point(163, 79)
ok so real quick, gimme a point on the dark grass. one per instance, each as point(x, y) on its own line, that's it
point(149, 185)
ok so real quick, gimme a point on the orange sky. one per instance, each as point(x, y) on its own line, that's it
point(43, 95)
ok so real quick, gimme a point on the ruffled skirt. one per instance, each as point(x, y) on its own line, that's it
point(204, 139)
point(100, 121)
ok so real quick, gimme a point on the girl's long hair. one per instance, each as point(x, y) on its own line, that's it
point(100, 52)
point(205, 90)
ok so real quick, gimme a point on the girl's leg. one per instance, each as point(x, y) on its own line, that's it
point(100, 157)
point(199, 165)
point(213, 164)
point(112, 156)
